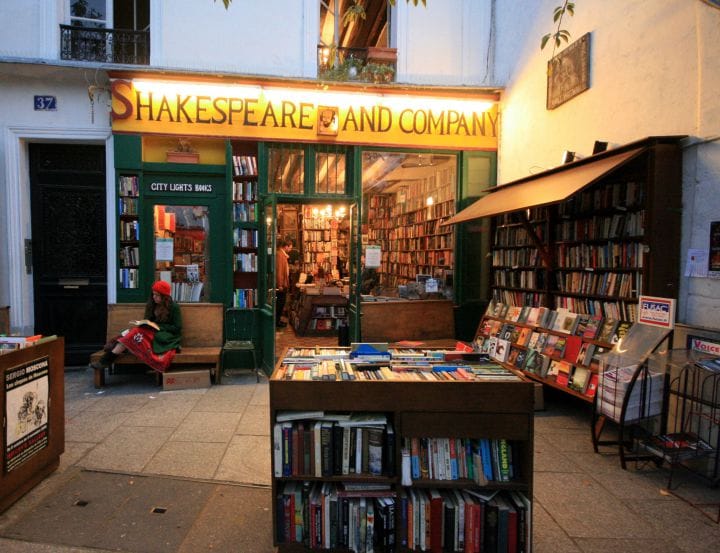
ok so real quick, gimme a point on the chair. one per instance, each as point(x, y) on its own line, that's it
point(240, 338)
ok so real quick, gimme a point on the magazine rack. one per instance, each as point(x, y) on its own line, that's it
point(630, 392)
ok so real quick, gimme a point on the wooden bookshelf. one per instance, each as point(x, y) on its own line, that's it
point(318, 315)
point(245, 225)
point(128, 198)
point(601, 248)
point(409, 230)
point(416, 411)
point(324, 239)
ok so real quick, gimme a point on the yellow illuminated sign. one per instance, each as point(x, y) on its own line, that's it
point(265, 113)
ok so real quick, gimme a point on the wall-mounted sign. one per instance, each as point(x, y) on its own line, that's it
point(569, 72)
point(714, 254)
point(468, 122)
point(27, 389)
point(181, 187)
point(656, 311)
point(45, 103)
point(702, 344)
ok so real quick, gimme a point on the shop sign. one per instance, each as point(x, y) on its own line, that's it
point(307, 115)
point(704, 345)
point(27, 393)
point(181, 188)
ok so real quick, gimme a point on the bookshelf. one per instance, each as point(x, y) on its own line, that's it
point(457, 412)
point(128, 231)
point(598, 250)
point(324, 238)
point(559, 349)
point(406, 222)
point(245, 225)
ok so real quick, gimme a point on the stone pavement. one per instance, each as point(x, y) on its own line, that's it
point(149, 471)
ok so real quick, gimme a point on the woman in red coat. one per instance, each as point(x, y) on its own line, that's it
point(154, 343)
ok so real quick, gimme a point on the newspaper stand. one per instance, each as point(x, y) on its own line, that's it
point(630, 393)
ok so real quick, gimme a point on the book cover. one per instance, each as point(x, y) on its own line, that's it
point(502, 350)
point(582, 322)
point(607, 331)
point(520, 359)
point(560, 346)
point(532, 342)
point(533, 362)
point(524, 312)
point(513, 355)
point(145, 322)
point(513, 313)
point(572, 348)
point(524, 336)
point(591, 389)
point(592, 329)
point(532, 317)
point(579, 379)
point(549, 348)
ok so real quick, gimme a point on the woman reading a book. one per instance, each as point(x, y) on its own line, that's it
point(153, 340)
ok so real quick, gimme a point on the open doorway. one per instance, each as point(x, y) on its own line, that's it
point(316, 307)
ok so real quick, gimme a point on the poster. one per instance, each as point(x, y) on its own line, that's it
point(714, 258)
point(27, 390)
point(373, 257)
point(656, 311)
point(164, 249)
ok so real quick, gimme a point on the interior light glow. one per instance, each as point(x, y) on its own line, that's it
point(429, 201)
point(169, 88)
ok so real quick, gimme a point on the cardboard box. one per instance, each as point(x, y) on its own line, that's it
point(181, 380)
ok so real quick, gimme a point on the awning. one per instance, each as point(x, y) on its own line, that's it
point(544, 189)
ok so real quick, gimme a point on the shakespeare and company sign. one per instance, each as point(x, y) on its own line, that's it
point(304, 115)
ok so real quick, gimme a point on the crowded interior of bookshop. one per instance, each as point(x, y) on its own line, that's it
point(407, 253)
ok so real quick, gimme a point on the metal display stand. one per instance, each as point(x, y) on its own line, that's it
point(630, 393)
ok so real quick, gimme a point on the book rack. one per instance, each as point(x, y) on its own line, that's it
point(379, 499)
point(128, 230)
point(245, 225)
point(598, 250)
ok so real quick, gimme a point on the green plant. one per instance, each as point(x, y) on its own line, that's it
point(559, 35)
point(377, 72)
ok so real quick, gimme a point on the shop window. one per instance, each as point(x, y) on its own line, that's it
point(182, 250)
point(330, 173)
point(286, 173)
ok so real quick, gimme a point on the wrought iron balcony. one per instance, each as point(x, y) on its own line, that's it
point(104, 45)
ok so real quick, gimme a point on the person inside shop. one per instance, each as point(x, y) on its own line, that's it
point(153, 340)
point(282, 279)
point(369, 278)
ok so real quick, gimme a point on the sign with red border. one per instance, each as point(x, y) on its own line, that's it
point(656, 311)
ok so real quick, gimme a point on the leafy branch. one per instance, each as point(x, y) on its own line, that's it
point(560, 34)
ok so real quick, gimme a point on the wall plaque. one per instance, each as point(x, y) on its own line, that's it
point(569, 72)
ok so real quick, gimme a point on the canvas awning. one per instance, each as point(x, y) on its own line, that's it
point(544, 189)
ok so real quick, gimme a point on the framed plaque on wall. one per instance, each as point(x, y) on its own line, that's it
point(569, 72)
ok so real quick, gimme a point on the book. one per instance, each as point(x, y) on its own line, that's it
point(582, 322)
point(573, 344)
point(677, 446)
point(579, 379)
point(283, 416)
point(145, 322)
point(621, 330)
point(592, 329)
point(524, 336)
point(607, 330)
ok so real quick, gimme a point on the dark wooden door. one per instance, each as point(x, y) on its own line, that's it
point(67, 184)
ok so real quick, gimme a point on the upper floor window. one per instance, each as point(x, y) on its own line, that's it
point(88, 13)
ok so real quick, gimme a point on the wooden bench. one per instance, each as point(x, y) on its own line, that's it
point(202, 336)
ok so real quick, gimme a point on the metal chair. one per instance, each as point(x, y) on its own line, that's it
point(240, 338)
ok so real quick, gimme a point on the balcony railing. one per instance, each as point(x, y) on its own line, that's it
point(104, 45)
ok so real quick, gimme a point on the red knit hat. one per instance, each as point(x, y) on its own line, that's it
point(161, 287)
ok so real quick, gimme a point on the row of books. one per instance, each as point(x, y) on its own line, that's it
point(246, 191)
point(128, 185)
point(12, 343)
point(619, 195)
point(481, 460)
point(245, 298)
point(129, 256)
point(128, 278)
point(245, 238)
point(330, 516)
point(615, 310)
point(600, 283)
point(245, 212)
point(334, 444)
point(515, 297)
point(518, 257)
point(325, 516)
point(600, 227)
point(246, 262)
point(244, 165)
point(520, 279)
point(523, 318)
point(186, 291)
point(127, 206)
point(516, 235)
point(612, 255)
point(129, 231)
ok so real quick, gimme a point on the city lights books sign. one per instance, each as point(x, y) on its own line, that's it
point(467, 121)
point(26, 411)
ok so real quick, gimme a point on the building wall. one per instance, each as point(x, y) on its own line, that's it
point(20, 125)
point(654, 70)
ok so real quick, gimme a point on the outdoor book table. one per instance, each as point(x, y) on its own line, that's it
point(33, 407)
